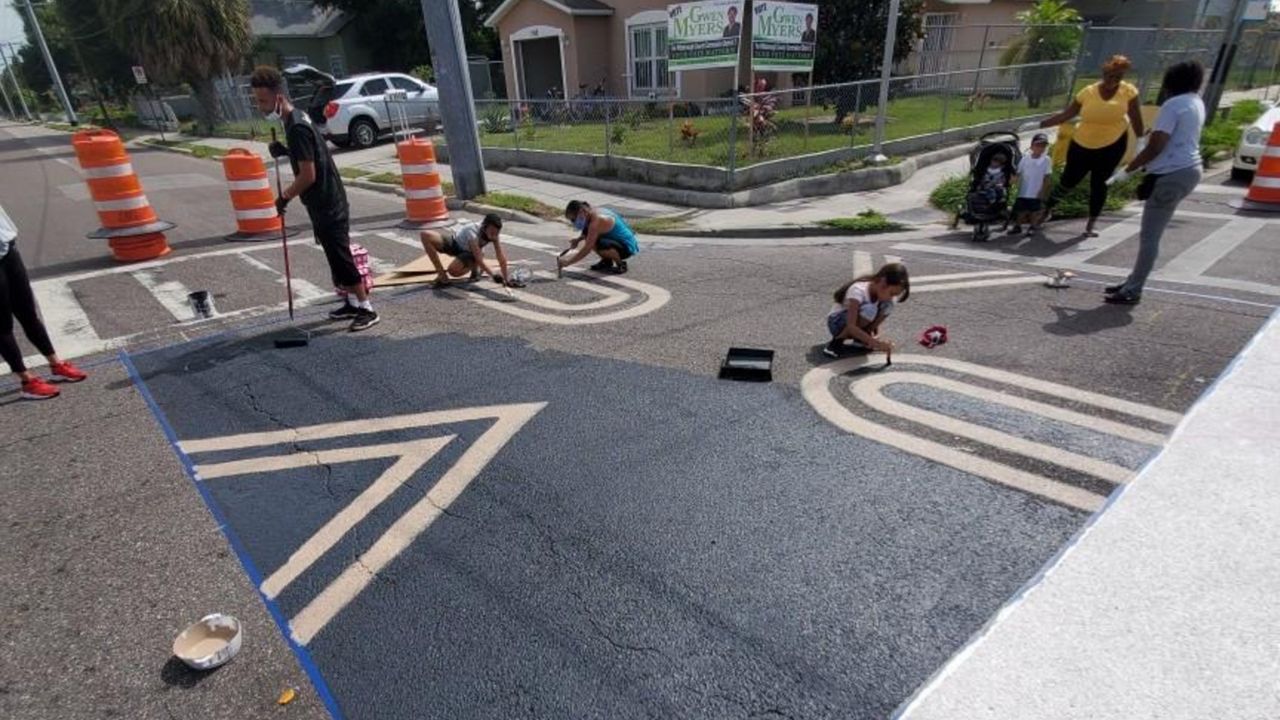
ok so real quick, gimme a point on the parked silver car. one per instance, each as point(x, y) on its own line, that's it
point(355, 111)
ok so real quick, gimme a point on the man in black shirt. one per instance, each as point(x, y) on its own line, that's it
point(316, 181)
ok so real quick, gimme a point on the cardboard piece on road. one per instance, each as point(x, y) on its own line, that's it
point(413, 273)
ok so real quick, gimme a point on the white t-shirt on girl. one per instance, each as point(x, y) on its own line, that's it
point(867, 308)
point(1032, 172)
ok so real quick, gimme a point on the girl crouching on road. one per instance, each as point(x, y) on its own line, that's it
point(861, 307)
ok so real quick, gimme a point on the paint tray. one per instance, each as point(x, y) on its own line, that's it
point(750, 364)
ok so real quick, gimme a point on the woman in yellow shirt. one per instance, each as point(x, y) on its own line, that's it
point(1106, 109)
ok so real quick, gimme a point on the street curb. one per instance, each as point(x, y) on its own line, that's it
point(765, 233)
point(861, 180)
point(168, 148)
point(451, 203)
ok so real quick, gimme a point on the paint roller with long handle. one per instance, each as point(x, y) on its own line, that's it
point(288, 275)
point(284, 237)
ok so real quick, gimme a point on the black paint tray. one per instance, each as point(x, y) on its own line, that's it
point(752, 364)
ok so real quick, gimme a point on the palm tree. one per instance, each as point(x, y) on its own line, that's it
point(191, 41)
point(1051, 32)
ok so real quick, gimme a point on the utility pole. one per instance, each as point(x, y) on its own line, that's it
point(1226, 55)
point(48, 63)
point(453, 80)
point(13, 75)
point(886, 70)
point(7, 104)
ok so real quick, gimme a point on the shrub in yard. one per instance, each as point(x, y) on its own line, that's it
point(617, 133)
point(425, 73)
point(633, 118)
point(689, 133)
point(494, 120)
point(760, 110)
point(949, 196)
point(1221, 136)
point(526, 123)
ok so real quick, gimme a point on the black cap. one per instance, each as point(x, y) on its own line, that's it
point(1039, 138)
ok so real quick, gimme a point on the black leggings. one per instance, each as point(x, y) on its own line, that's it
point(1099, 164)
point(17, 301)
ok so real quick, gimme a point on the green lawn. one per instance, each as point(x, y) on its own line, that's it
point(661, 139)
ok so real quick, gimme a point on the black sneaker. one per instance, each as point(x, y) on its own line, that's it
point(1015, 230)
point(1124, 297)
point(365, 320)
point(1112, 289)
point(475, 274)
point(618, 268)
point(832, 349)
point(346, 312)
point(602, 266)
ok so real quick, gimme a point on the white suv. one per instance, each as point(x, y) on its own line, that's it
point(353, 111)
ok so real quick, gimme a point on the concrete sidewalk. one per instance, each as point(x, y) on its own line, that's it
point(1165, 605)
point(382, 159)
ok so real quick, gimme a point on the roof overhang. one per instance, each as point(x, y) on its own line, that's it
point(509, 5)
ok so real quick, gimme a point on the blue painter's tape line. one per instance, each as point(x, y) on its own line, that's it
point(304, 657)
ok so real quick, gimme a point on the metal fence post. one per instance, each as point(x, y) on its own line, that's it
point(608, 128)
point(513, 113)
point(733, 137)
point(946, 104)
point(1075, 68)
point(671, 129)
point(857, 106)
point(982, 55)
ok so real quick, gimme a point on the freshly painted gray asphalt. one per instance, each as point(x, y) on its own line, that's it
point(652, 543)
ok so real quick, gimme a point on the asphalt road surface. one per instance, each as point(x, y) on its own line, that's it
point(552, 507)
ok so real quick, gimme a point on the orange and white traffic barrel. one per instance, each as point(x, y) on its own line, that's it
point(129, 224)
point(251, 197)
point(1264, 191)
point(423, 190)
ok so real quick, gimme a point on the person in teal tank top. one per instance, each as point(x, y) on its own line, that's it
point(603, 232)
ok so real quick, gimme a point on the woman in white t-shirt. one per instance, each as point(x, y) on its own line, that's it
point(1173, 164)
point(862, 305)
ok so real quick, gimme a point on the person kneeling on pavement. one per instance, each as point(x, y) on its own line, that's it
point(605, 233)
point(466, 244)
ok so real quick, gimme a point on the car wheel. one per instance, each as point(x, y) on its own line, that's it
point(1241, 175)
point(363, 133)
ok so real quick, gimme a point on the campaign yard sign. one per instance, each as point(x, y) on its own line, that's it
point(703, 35)
point(784, 36)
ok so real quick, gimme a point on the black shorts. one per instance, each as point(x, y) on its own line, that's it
point(610, 244)
point(335, 237)
point(1027, 205)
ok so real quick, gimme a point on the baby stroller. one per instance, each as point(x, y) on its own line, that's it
point(986, 204)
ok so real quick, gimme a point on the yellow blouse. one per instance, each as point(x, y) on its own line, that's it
point(1103, 122)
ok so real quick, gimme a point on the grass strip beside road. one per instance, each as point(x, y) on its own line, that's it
point(522, 203)
point(660, 225)
point(866, 222)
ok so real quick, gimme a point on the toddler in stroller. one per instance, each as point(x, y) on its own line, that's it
point(991, 168)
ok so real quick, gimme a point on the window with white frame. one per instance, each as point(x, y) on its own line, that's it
point(649, 59)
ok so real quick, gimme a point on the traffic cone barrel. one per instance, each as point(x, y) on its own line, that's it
point(251, 196)
point(128, 220)
point(423, 191)
point(1265, 187)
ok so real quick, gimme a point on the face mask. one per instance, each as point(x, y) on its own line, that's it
point(275, 114)
point(581, 223)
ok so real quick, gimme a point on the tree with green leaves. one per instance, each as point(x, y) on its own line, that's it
point(851, 44)
point(394, 34)
point(1052, 32)
point(89, 60)
point(191, 41)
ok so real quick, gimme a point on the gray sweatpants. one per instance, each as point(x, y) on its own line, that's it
point(1157, 211)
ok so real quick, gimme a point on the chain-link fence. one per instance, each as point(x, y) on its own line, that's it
point(961, 86)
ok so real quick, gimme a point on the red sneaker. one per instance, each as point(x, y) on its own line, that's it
point(37, 389)
point(66, 372)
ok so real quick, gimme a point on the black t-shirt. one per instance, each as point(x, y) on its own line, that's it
point(326, 199)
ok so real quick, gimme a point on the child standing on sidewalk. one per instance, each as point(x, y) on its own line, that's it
point(1033, 186)
point(861, 307)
